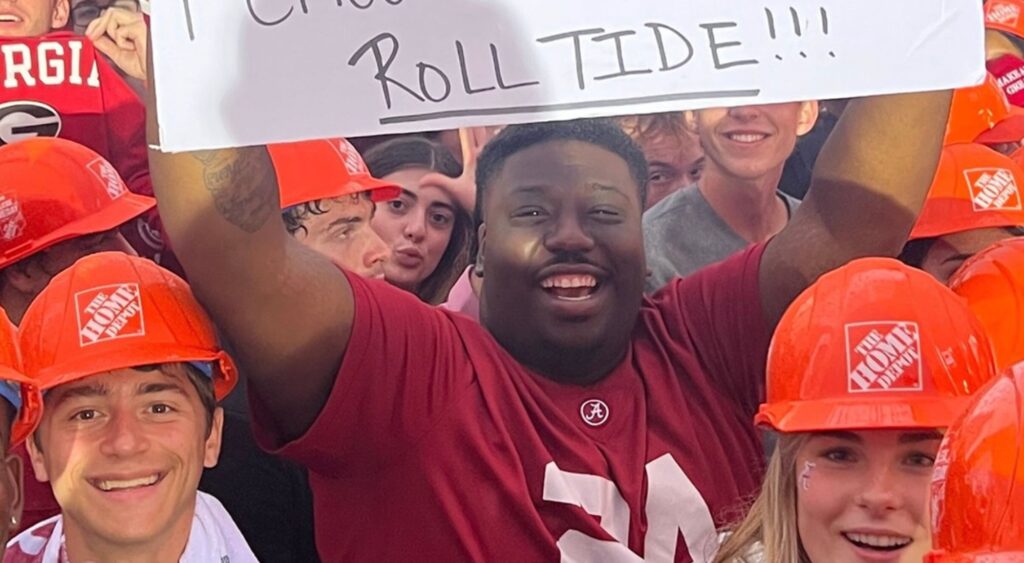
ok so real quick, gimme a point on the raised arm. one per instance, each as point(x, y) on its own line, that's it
point(867, 189)
point(285, 310)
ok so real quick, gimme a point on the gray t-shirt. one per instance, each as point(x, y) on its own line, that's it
point(682, 234)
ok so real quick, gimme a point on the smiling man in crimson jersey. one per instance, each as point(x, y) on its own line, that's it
point(581, 421)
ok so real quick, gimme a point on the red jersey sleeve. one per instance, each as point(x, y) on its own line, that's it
point(405, 364)
point(719, 309)
point(126, 129)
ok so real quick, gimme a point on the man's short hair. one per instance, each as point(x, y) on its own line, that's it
point(653, 126)
point(296, 215)
point(515, 138)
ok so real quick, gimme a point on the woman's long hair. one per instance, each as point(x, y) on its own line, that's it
point(770, 528)
point(416, 152)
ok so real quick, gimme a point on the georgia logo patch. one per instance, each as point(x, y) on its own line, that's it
point(884, 356)
point(109, 312)
point(26, 120)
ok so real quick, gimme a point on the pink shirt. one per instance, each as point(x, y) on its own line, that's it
point(436, 445)
point(462, 298)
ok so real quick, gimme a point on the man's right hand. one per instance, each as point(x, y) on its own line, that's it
point(122, 36)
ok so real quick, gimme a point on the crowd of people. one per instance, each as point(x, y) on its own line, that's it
point(786, 333)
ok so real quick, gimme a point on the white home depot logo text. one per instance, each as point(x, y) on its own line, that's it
point(883, 356)
point(993, 189)
point(109, 312)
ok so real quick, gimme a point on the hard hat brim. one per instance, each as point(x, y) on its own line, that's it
point(852, 414)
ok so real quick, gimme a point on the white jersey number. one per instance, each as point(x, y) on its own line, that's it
point(674, 507)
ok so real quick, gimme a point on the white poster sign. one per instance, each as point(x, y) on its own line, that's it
point(241, 72)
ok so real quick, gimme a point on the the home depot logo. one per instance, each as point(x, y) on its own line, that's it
point(109, 312)
point(350, 156)
point(12, 220)
point(992, 189)
point(883, 356)
point(1002, 13)
point(108, 175)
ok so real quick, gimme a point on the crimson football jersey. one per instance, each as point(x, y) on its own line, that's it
point(57, 85)
point(437, 445)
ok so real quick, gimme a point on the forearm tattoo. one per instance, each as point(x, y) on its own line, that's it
point(242, 185)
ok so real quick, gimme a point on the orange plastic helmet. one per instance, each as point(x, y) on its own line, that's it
point(111, 311)
point(978, 484)
point(874, 344)
point(982, 114)
point(1018, 157)
point(324, 168)
point(52, 190)
point(15, 387)
point(974, 188)
point(1005, 16)
point(992, 282)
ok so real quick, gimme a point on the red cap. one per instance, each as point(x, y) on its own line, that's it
point(52, 190)
point(324, 168)
point(874, 344)
point(978, 481)
point(982, 114)
point(1005, 16)
point(974, 188)
point(111, 311)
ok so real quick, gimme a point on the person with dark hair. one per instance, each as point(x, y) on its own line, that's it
point(427, 229)
point(675, 158)
point(132, 372)
point(975, 200)
point(579, 420)
point(737, 201)
point(328, 199)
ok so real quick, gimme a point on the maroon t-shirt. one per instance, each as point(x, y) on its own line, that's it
point(437, 445)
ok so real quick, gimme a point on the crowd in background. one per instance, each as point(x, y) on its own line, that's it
point(786, 333)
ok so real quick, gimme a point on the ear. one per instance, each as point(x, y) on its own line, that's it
point(13, 474)
point(211, 451)
point(37, 458)
point(807, 118)
point(27, 279)
point(478, 267)
point(690, 122)
point(61, 14)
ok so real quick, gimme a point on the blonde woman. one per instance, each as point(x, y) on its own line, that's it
point(865, 369)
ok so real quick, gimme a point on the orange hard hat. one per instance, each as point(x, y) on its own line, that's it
point(15, 387)
point(874, 344)
point(1005, 16)
point(52, 190)
point(324, 168)
point(111, 311)
point(974, 188)
point(992, 282)
point(978, 483)
point(982, 114)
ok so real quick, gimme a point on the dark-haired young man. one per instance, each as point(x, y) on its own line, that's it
point(580, 421)
point(327, 200)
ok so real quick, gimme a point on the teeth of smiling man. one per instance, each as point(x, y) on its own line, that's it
point(879, 541)
point(747, 137)
point(127, 484)
point(569, 282)
point(9, 18)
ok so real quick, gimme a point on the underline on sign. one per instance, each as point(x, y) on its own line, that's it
point(542, 108)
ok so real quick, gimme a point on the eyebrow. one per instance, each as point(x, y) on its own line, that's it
point(530, 189)
point(842, 435)
point(81, 391)
point(916, 437)
point(351, 220)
